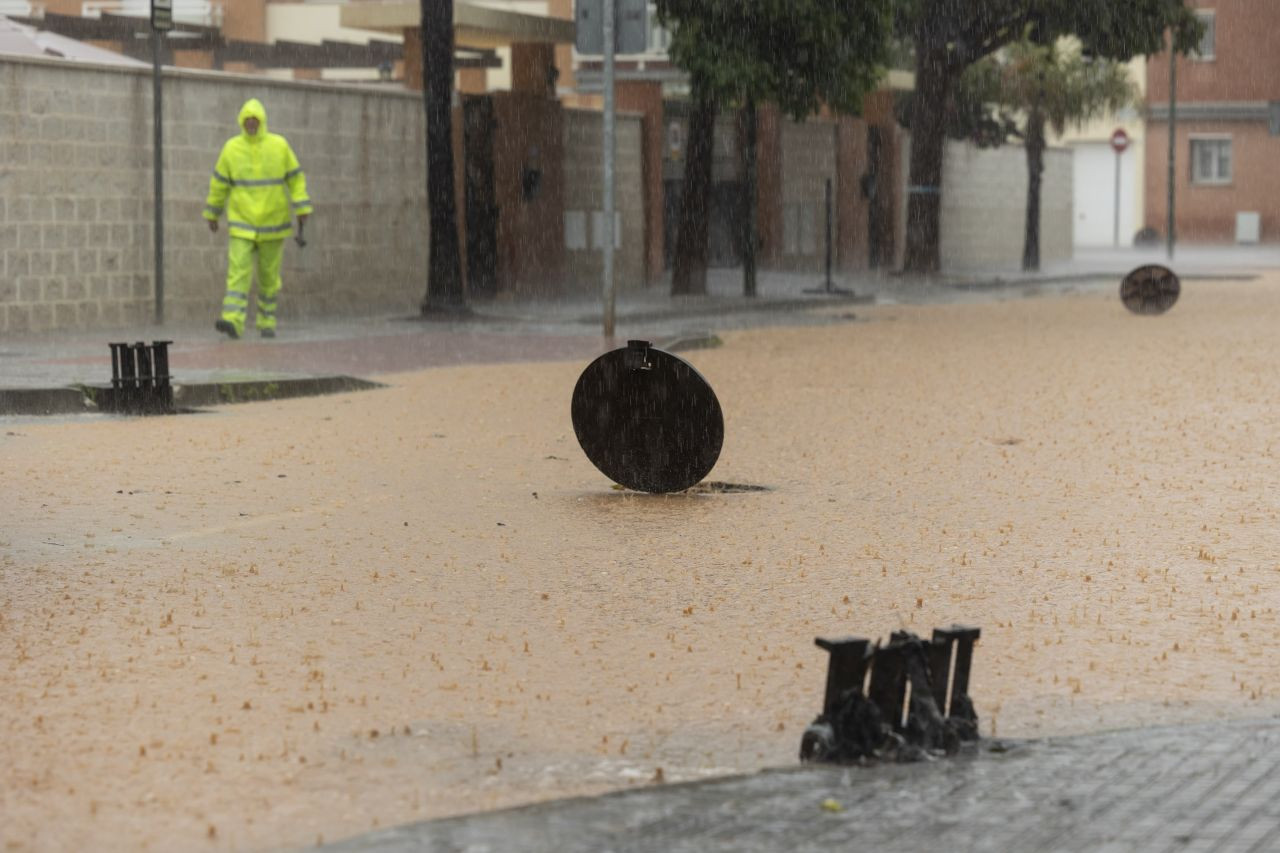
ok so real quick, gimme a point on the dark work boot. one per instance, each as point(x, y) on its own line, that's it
point(227, 329)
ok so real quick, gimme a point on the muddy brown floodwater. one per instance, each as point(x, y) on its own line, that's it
point(287, 622)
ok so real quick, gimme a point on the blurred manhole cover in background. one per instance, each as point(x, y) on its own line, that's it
point(1150, 289)
point(647, 419)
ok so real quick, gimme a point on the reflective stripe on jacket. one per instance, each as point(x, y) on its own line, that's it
point(257, 182)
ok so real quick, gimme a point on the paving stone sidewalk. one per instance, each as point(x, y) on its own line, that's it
point(1206, 787)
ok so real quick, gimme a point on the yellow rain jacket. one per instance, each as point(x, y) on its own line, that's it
point(256, 181)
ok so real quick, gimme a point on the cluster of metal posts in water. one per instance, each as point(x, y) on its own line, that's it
point(909, 692)
point(139, 380)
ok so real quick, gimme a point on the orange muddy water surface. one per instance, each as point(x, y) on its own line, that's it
point(280, 623)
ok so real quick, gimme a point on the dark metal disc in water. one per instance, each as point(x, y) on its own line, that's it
point(647, 419)
point(1150, 289)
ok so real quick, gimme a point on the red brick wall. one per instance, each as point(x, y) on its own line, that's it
point(1206, 213)
point(1246, 65)
point(1245, 69)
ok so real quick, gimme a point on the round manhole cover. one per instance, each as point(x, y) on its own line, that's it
point(647, 419)
point(1150, 289)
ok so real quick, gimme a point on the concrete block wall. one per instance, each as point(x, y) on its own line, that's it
point(984, 204)
point(583, 183)
point(809, 153)
point(76, 195)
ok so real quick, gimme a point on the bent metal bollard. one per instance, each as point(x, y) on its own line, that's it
point(646, 419)
point(139, 380)
point(916, 700)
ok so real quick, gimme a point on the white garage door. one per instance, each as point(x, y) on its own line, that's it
point(1094, 194)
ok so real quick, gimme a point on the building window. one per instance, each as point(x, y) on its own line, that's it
point(1210, 161)
point(659, 39)
point(1206, 49)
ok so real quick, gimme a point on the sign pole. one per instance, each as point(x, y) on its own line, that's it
point(1173, 145)
point(603, 30)
point(610, 296)
point(1116, 236)
point(1119, 143)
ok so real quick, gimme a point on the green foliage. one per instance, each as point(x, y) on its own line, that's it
point(972, 112)
point(1064, 85)
point(796, 53)
point(971, 29)
point(994, 95)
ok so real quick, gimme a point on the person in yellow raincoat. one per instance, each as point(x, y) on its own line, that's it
point(257, 181)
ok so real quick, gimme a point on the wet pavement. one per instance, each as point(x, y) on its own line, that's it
point(1203, 787)
point(1209, 787)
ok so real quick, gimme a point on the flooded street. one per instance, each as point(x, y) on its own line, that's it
point(286, 622)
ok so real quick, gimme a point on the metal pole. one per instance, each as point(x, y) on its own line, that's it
point(1116, 236)
point(1173, 133)
point(609, 284)
point(751, 167)
point(828, 284)
point(157, 39)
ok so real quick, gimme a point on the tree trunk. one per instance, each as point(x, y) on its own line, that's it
point(928, 138)
point(750, 189)
point(689, 272)
point(1035, 168)
point(445, 292)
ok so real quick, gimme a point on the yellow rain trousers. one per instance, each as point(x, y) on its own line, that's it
point(240, 263)
point(260, 186)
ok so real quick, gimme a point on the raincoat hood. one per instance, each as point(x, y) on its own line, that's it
point(253, 108)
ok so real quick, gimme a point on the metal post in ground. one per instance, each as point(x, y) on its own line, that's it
point(828, 209)
point(827, 286)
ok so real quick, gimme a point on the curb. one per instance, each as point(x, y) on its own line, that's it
point(1067, 278)
point(224, 393)
point(685, 343)
point(80, 399)
point(719, 306)
point(42, 401)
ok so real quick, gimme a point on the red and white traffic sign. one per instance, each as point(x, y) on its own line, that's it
point(1119, 140)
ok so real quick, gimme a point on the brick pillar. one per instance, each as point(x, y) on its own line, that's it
point(473, 81)
point(851, 203)
point(769, 185)
point(182, 58)
point(563, 52)
point(530, 136)
point(877, 111)
point(413, 58)
point(646, 97)
point(532, 69)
